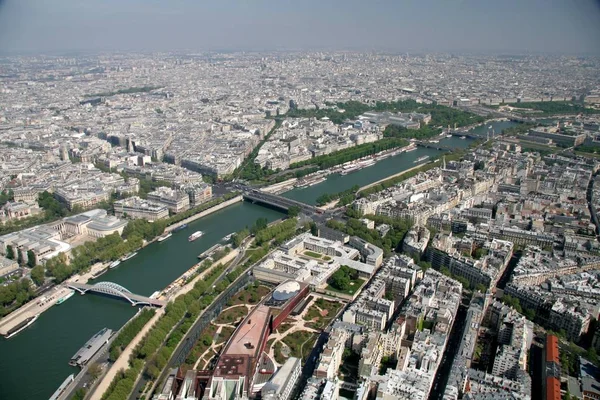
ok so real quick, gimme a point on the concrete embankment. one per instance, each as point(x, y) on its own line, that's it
point(205, 212)
point(389, 177)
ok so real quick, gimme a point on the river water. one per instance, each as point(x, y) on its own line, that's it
point(35, 362)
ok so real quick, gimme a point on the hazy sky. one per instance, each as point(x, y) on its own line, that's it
point(558, 26)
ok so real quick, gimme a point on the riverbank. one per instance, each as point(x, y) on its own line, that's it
point(204, 213)
point(35, 307)
point(348, 167)
point(389, 177)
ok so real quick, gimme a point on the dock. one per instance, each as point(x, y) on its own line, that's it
point(206, 253)
point(91, 347)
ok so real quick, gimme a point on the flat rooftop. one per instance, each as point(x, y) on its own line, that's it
point(245, 340)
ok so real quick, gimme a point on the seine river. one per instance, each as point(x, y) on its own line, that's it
point(35, 362)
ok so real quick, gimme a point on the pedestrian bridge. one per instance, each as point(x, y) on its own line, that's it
point(115, 290)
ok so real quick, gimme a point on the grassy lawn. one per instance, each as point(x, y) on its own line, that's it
point(321, 313)
point(231, 315)
point(284, 327)
point(199, 347)
point(354, 286)
point(279, 358)
point(312, 254)
point(300, 343)
point(251, 295)
point(225, 334)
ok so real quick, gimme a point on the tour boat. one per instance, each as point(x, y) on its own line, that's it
point(195, 236)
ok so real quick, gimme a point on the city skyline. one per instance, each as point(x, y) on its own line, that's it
point(29, 26)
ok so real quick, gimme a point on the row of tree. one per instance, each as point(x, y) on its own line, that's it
point(14, 295)
point(352, 153)
point(129, 331)
point(157, 346)
point(558, 107)
point(345, 196)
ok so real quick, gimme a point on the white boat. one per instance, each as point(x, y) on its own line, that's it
point(195, 236)
point(411, 149)
point(114, 264)
point(490, 127)
point(463, 137)
point(165, 237)
point(448, 136)
point(127, 257)
point(422, 158)
point(66, 297)
point(27, 322)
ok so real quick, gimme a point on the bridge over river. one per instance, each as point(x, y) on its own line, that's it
point(112, 289)
point(256, 196)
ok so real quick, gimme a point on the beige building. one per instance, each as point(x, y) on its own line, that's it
point(7, 266)
point(137, 208)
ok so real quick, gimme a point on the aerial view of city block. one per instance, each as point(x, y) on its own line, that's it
point(236, 200)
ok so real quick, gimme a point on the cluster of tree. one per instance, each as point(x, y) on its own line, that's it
point(38, 275)
point(345, 196)
point(105, 249)
point(393, 239)
point(6, 196)
point(588, 149)
point(279, 233)
point(149, 185)
point(516, 304)
point(14, 295)
point(557, 107)
point(352, 153)
point(141, 228)
point(250, 170)
point(52, 207)
point(342, 278)
point(129, 331)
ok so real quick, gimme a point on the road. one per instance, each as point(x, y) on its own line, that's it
point(443, 373)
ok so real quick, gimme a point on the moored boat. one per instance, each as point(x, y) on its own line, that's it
point(114, 264)
point(20, 327)
point(128, 256)
point(180, 228)
point(65, 297)
point(164, 237)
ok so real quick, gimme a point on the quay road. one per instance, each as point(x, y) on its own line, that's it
point(34, 307)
